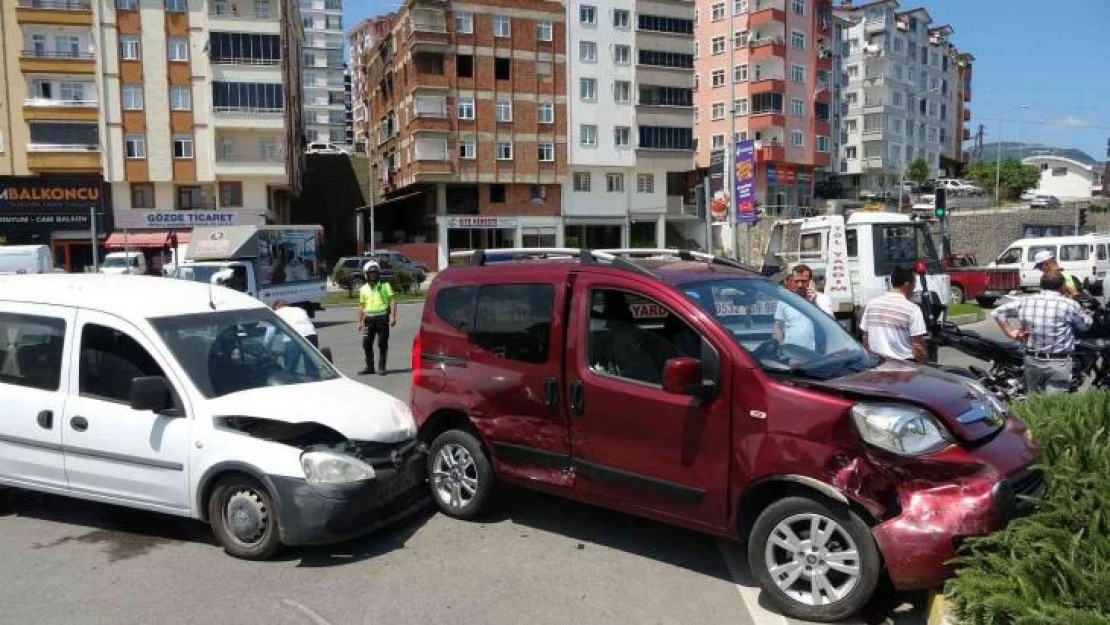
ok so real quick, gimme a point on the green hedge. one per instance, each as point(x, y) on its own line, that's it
point(1054, 566)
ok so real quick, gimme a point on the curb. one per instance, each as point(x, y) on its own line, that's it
point(939, 613)
point(966, 319)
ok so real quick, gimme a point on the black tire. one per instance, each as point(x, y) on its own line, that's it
point(479, 470)
point(244, 492)
point(956, 294)
point(869, 560)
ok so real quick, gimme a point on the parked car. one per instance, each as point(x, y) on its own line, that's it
point(970, 188)
point(418, 270)
point(196, 401)
point(326, 148)
point(1045, 201)
point(969, 281)
point(1028, 195)
point(655, 386)
point(26, 259)
point(1087, 257)
point(354, 264)
point(120, 263)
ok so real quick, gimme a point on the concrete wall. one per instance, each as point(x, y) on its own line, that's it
point(988, 235)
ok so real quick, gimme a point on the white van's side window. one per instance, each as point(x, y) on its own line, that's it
point(1011, 256)
point(1102, 251)
point(109, 361)
point(1075, 252)
point(1033, 249)
point(31, 351)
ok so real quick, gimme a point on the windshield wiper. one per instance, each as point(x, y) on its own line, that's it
point(856, 362)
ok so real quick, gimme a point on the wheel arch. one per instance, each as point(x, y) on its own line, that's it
point(220, 470)
point(763, 492)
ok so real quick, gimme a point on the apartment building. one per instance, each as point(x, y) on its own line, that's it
point(324, 69)
point(201, 116)
point(765, 73)
point(465, 110)
point(364, 38)
point(901, 102)
point(630, 124)
point(953, 157)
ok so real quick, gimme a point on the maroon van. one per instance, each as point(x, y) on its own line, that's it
point(683, 388)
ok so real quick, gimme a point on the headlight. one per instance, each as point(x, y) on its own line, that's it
point(327, 467)
point(899, 428)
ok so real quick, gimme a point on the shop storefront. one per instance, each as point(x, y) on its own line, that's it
point(149, 231)
point(469, 233)
point(59, 212)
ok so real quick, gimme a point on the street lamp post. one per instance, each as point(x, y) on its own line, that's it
point(998, 159)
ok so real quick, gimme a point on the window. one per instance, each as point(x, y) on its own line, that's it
point(622, 55)
point(739, 7)
point(740, 73)
point(587, 88)
point(587, 14)
point(497, 193)
point(504, 110)
point(587, 51)
point(514, 321)
point(1075, 252)
point(181, 98)
point(142, 195)
point(718, 78)
point(822, 144)
point(231, 194)
point(465, 108)
point(1102, 252)
point(717, 142)
point(614, 183)
point(797, 73)
point(545, 113)
point(797, 40)
point(622, 136)
point(543, 68)
point(797, 107)
point(464, 66)
point(718, 45)
point(666, 59)
point(622, 91)
point(178, 49)
point(545, 31)
point(666, 138)
point(621, 19)
point(1059, 171)
point(666, 96)
point(464, 23)
point(896, 98)
point(582, 181)
point(717, 12)
point(131, 97)
point(797, 139)
point(127, 5)
point(740, 106)
point(182, 146)
point(545, 152)
point(537, 193)
point(109, 361)
point(176, 5)
point(129, 48)
point(502, 26)
point(645, 183)
point(850, 152)
point(740, 39)
point(467, 149)
point(502, 68)
point(504, 151)
point(588, 135)
point(632, 337)
point(799, 7)
point(717, 111)
point(134, 146)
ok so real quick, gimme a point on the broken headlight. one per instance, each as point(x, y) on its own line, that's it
point(328, 467)
point(899, 428)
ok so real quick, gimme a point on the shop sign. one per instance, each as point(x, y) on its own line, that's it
point(481, 223)
point(31, 204)
point(133, 219)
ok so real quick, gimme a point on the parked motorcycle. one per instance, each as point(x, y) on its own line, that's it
point(1005, 377)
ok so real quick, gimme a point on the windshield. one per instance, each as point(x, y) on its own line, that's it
point(204, 273)
point(238, 350)
point(120, 261)
point(780, 330)
point(902, 245)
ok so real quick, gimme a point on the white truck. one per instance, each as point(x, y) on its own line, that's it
point(21, 259)
point(852, 257)
point(266, 262)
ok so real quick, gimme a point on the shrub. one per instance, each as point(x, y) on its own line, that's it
point(341, 276)
point(1053, 566)
point(402, 281)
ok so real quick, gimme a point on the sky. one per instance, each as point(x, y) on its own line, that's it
point(1040, 71)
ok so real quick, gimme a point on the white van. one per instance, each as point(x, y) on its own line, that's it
point(1087, 257)
point(120, 263)
point(195, 401)
point(22, 259)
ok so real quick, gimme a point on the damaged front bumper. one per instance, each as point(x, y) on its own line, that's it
point(919, 543)
point(314, 514)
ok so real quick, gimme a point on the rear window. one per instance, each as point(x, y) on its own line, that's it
point(455, 306)
point(31, 351)
point(1102, 252)
point(514, 321)
point(1075, 252)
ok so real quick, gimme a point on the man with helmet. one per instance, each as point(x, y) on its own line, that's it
point(377, 312)
point(1045, 260)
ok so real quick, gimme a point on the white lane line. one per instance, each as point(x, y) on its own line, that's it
point(749, 594)
point(307, 611)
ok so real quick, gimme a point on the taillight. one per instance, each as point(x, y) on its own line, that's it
point(416, 359)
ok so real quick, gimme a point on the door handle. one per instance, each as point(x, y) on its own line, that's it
point(79, 423)
point(551, 392)
point(46, 419)
point(577, 397)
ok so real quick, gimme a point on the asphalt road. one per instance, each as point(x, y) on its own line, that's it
point(535, 559)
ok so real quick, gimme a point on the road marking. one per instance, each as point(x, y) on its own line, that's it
point(749, 594)
point(307, 611)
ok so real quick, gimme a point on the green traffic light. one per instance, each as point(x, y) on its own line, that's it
point(940, 213)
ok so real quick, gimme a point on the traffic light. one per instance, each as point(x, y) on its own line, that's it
point(940, 205)
point(1082, 219)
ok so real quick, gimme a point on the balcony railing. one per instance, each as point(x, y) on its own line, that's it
point(246, 157)
point(766, 41)
point(242, 111)
point(57, 54)
point(235, 60)
point(60, 103)
point(57, 5)
point(62, 147)
point(242, 9)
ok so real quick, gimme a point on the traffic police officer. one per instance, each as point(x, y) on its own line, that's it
point(1045, 260)
point(377, 312)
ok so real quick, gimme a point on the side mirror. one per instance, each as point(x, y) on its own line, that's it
point(682, 376)
point(151, 393)
point(326, 353)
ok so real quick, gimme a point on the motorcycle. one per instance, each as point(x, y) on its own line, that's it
point(1005, 377)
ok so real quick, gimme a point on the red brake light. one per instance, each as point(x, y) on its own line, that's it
point(416, 359)
point(919, 268)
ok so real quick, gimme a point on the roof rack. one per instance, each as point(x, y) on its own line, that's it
point(690, 255)
point(479, 258)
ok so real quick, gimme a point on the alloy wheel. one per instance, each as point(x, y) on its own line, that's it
point(812, 559)
point(455, 476)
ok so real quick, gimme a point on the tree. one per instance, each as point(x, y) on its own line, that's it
point(1015, 178)
point(918, 170)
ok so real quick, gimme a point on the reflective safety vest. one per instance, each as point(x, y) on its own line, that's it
point(375, 299)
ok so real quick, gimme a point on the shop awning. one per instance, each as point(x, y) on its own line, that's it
point(144, 239)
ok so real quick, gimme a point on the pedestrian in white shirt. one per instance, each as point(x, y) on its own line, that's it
point(297, 319)
point(892, 325)
point(792, 327)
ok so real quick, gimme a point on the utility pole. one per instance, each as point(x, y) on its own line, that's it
point(92, 222)
point(730, 143)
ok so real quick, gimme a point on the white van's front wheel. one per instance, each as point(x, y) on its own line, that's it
point(244, 519)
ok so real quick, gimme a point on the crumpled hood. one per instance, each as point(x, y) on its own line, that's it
point(352, 409)
point(947, 395)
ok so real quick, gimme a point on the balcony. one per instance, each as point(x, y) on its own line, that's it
point(822, 159)
point(767, 11)
point(677, 206)
point(42, 61)
point(967, 114)
point(238, 161)
point(48, 109)
point(248, 117)
point(767, 47)
point(768, 119)
point(770, 154)
point(428, 32)
point(243, 10)
point(54, 12)
point(773, 83)
point(874, 25)
point(875, 162)
point(63, 157)
point(434, 107)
